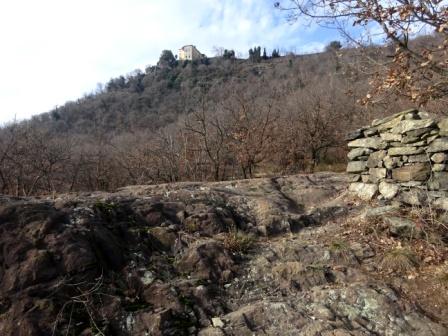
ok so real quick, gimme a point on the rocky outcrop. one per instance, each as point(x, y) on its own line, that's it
point(144, 260)
point(253, 257)
point(398, 156)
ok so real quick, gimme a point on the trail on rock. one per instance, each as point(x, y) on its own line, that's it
point(251, 257)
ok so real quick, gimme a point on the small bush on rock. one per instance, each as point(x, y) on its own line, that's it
point(443, 279)
point(238, 242)
point(400, 260)
point(341, 250)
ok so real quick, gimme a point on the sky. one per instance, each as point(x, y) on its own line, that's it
point(53, 51)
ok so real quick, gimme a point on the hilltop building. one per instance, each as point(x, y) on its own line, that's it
point(189, 53)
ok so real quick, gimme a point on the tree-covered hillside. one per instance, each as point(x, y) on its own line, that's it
point(210, 119)
point(156, 97)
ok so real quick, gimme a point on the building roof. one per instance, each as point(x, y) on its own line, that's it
point(188, 45)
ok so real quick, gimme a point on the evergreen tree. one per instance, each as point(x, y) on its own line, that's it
point(167, 59)
point(258, 58)
point(333, 46)
point(255, 54)
point(229, 54)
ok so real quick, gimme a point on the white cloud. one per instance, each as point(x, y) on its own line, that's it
point(57, 50)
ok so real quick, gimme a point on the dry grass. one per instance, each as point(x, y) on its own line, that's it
point(432, 245)
point(399, 260)
point(443, 279)
point(287, 271)
point(338, 246)
point(341, 250)
point(192, 226)
point(428, 221)
point(238, 242)
point(373, 225)
point(429, 245)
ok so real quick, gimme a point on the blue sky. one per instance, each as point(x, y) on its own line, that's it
point(57, 50)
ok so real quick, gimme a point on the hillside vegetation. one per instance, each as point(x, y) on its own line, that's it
point(214, 119)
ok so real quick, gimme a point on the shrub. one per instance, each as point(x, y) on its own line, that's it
point(400, 260)
point(341, 250)
point(238, 242)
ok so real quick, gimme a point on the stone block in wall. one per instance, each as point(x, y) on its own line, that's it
point(411, 184)
point(389, 124)
point(441, 203)
point(443, 127)
point(412, 140)
point(376, 159)
point(398, 151)
point(355, 178)
point(356, 166)
point(399, 115)
point(354, 134)
point(357, 152)
point(416, 143)
point(377, 174)
point(423, 115)
point(392, 162)
point(437, 193)
point(419, 133)
point(388, 189)
point(413, 172)
point(410, 125)
point(439, 181)
point(438, 145)
point(439, 157)
point(389, 137)
point(439, 167)
point(430, 139)
point(374, 143)
point(370, 131)
point(418, 158)
point(413, 144)
point(365, 191)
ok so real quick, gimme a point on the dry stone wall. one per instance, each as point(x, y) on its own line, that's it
point(402, 157)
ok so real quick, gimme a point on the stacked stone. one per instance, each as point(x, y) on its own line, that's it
point(403, 156)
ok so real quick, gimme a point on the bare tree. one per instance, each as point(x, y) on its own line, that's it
point(212, 132)
point(253, 124)
point(218, 51)
point(8, 141)
point(419, 73)
point(316, 117)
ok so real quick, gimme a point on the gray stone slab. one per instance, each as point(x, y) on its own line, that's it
point(410, 125)
point(397, 151)
point(374, 143)
point(413, 172)
point(438, 145)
